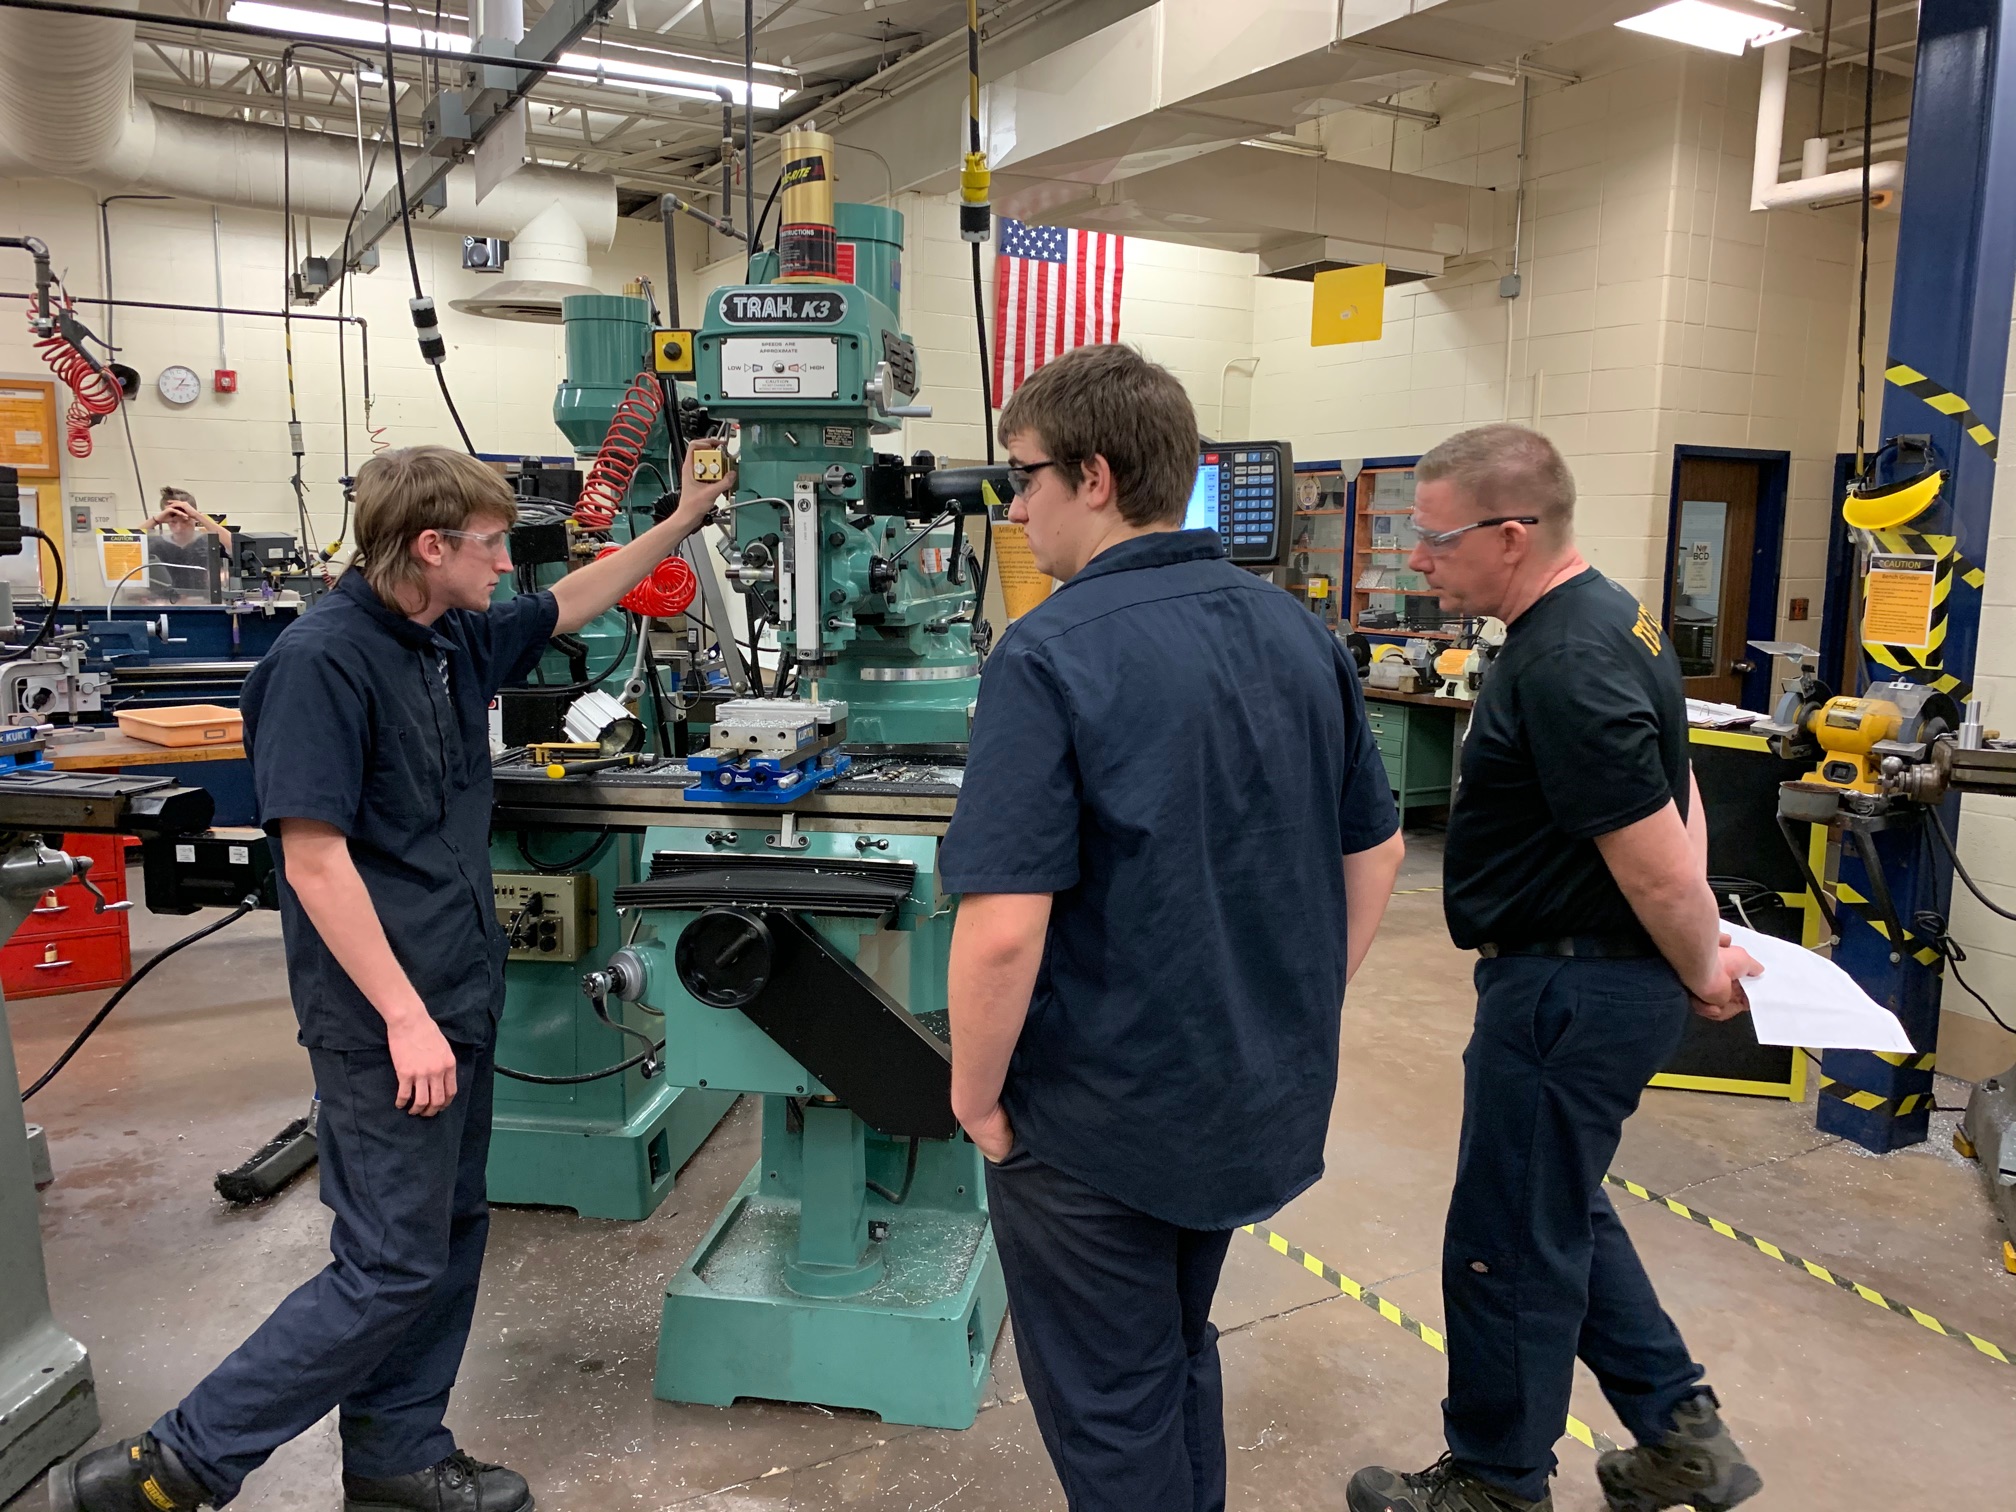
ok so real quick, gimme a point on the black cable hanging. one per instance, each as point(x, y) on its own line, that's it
point(1862, 280)
point(245, 906)
point(425, 324)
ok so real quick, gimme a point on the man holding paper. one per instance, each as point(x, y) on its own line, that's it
point(1577, 869)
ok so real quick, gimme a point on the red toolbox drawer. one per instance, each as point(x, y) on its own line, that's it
point(70, 909)
point(71, 963)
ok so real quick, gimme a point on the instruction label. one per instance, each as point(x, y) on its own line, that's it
point(1897, 600)
point(780, 367)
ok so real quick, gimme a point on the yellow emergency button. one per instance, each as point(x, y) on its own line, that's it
point(672, 353)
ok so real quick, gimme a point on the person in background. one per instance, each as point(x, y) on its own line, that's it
point(1174, 843)
point(367, 727)
point(178, 551)
point(1577, 868)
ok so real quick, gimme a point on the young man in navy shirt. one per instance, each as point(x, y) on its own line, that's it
point(1173, 846)
point(367, 726)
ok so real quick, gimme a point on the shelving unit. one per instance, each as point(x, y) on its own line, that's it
point(1382, 536)
point(1319, 539)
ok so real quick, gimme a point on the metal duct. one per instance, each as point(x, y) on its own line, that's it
point(67, 110)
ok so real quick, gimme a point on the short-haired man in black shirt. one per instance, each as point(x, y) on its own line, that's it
point(1173, 846)
point(1576, 867)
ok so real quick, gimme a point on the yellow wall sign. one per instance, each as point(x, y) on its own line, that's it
point(1350, 305)
point(1897, 601)
point(1023, 584)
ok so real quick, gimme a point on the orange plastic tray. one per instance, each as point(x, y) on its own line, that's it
point(186, 725)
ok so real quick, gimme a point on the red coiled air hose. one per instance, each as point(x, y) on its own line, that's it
point(94, 393)
point(622, 451)
point(669, 590)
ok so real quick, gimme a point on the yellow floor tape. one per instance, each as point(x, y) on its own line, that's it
point(1868, 1294)
point(1577, 1429)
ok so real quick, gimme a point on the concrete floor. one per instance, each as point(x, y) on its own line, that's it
point(1840, 1404)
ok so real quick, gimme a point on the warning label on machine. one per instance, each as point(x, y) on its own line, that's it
point(780, 367)
point(1897, 600)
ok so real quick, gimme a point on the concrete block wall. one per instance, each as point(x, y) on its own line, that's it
point(1971, 1045)
point(231, 450)
point(1657, 309)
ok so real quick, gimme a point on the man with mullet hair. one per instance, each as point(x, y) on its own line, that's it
point(1577, 869)
point(1173, 846)
point(367, 726)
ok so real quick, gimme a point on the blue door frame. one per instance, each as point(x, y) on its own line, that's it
point(1774, 474)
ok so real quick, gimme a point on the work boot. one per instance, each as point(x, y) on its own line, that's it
point(457, 1484)
point(134, 1475)
point(1696, 1465)
point(1440, 1488)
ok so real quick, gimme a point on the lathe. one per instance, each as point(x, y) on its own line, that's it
point(763, 916)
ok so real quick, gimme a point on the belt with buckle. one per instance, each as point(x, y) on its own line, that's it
point(1599, 947)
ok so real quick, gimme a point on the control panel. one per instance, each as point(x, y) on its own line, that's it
point(546, 917)
point(1242, 492)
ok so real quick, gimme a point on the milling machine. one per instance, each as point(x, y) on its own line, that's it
point(766, 913)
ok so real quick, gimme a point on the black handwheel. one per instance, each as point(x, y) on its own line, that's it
point(724, 957)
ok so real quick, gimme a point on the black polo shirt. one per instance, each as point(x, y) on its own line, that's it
point(1177, 751)
point(370, 722)
point(1580, 729)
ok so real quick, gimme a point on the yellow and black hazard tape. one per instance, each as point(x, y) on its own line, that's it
point(1874, 1102)
point(1765, 1247)
point(1924, 664)
point(1577, 1429)
point(1945, 401)
point(1908, 1062)
point(1924, 955)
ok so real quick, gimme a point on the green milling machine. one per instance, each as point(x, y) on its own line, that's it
point(764, 916)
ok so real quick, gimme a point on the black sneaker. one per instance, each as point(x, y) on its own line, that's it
point(457, 1484)
point(134, 1475)
point(1696, 1465)
point(1440, 1488)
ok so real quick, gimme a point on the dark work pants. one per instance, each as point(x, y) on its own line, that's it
point(1536, 1267)
point(379, 1332)
point(1113, 1331)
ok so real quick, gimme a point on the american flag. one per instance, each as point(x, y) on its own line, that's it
point(1053, 290)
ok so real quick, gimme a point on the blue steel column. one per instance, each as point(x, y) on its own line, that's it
point(1956, 272)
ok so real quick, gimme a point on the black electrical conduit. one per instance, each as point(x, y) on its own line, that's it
point(244, 907)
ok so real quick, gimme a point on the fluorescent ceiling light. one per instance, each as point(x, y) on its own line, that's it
point(1698, 23)
point(650, 79)
point(622, 74)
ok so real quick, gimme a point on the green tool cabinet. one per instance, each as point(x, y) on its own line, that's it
point(1417, 743)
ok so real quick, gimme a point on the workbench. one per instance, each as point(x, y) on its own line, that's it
point(114, 751)
point(221, 770)
point(1418, 737)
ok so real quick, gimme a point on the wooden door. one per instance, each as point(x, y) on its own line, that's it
point(1708, 566)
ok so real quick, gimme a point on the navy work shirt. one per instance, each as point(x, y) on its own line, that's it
point(1177, 751)
point(363, 719)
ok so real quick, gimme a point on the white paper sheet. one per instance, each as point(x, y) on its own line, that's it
point(1805, 999)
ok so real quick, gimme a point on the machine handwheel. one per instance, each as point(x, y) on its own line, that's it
point(724, 957)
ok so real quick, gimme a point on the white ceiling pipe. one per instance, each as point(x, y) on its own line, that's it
point(1812, 188)
point(1770, 123)
point(64, 86)
point(51, 127)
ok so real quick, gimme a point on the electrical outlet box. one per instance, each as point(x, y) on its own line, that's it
point(546, 917)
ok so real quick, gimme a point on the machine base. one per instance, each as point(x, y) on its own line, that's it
point(622, 1172)
point(1987, 1134)
point(48, 1406)
point(915, 1348)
